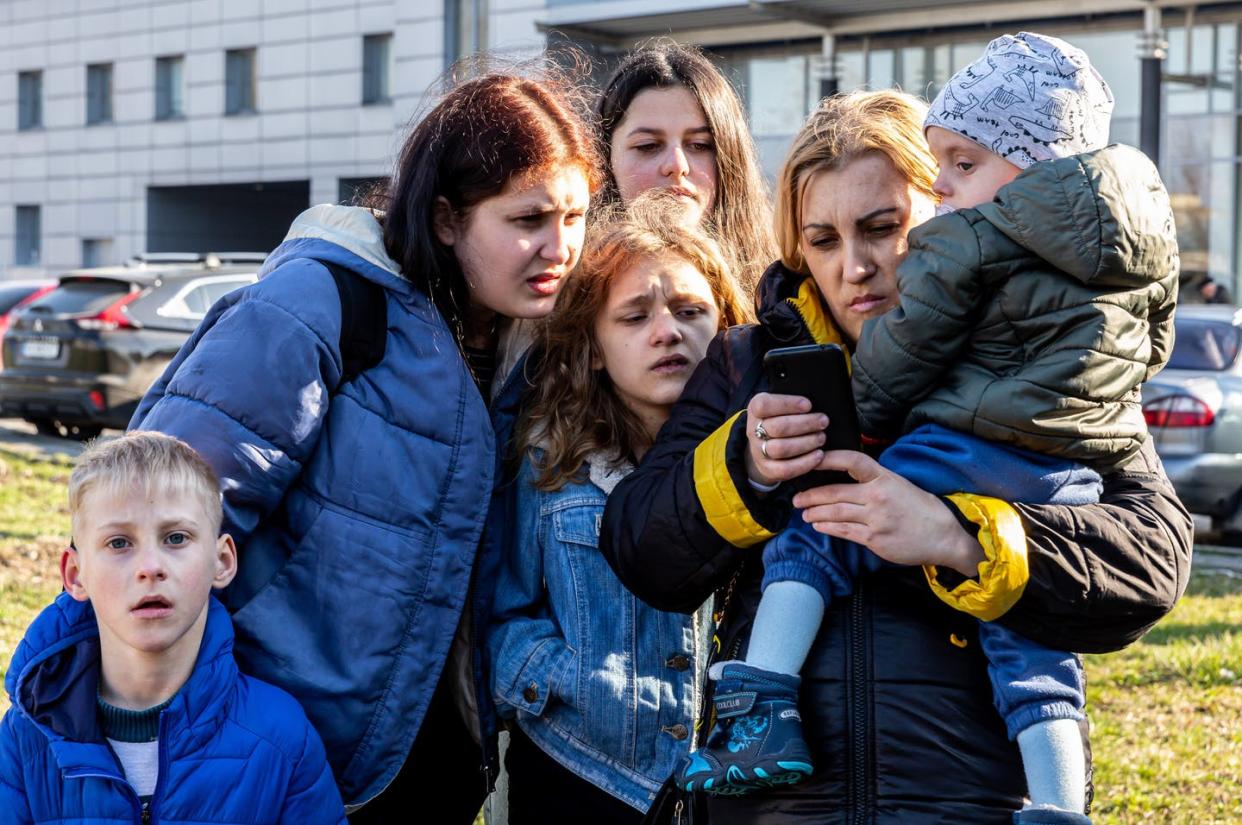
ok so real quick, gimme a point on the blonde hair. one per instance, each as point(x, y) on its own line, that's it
point(573, 410)
point(144, 461)
point(842, 129)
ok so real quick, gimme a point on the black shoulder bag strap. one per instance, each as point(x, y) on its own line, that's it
point(364, 321)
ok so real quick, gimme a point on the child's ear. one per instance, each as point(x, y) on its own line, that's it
point(444, 221)
point(71, 574)
point(226, 561)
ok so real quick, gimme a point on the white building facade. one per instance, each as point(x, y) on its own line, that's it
point(190, 125)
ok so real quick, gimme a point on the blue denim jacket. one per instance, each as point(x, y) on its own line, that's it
point(601, 682)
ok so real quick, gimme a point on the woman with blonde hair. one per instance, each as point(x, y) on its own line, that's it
point(895, 682)
point(601, 687)
point(669, 119)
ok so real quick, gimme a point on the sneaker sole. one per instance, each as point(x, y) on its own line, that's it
point(738, 783)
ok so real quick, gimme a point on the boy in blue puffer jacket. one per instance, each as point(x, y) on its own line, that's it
point(127, 703)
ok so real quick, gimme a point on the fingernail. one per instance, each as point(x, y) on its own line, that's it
point(823, 421)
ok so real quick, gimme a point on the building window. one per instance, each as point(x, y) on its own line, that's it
point(99, 93)
point(375, 55)
point(465, 28)
point(168, 87)
point(29, 100)
point(239, 81)
point(96, 251)
point(27, 236)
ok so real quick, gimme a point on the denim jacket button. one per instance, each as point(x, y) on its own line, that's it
point(678, 731)
point(531, 693)
point(678, 662)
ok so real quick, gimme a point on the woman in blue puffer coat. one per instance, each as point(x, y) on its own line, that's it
point(358, 500)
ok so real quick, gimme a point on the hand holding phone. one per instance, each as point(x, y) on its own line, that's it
point(819, 373)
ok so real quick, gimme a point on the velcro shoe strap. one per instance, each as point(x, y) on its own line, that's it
point(737, 703)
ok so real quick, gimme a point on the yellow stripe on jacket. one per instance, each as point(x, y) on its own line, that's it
point(1003, 573)
point(722, 504)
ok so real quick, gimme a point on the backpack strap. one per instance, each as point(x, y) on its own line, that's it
point(364, 321)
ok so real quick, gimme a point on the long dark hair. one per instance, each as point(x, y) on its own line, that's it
point(484, 133)
point(741, 216)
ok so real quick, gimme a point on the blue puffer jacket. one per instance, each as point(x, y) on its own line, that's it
point(232, 749)
point(357, 509)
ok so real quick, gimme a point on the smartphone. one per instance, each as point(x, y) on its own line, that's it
point(820, 373)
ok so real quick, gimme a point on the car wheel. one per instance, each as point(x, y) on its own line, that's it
point(1230, 528)
point(82, 432)
point(45, 426)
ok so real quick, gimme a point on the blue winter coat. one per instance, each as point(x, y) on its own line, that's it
point(357, 509)
point(232, 749)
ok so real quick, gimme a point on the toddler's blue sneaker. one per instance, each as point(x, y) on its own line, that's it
point(757, 739)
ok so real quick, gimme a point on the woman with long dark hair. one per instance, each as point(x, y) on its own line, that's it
point(343, 401)
point(669, 119)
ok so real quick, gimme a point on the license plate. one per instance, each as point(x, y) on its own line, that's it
point(40, 348)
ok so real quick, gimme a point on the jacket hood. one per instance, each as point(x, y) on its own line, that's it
point(53, 682)
point(1102, 217)
point(347, 235)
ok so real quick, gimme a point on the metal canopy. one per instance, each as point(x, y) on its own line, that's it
point(621, 22)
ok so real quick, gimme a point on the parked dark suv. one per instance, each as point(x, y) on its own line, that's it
point(80, 357)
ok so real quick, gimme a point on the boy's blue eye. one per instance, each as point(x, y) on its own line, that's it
point(116, 543)
point(178, 538)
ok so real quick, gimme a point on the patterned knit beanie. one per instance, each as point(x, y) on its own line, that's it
point(1029, 98)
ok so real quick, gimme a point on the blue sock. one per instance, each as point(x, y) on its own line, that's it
point(785, 627)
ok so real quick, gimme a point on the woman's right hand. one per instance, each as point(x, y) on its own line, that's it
point(794, 442)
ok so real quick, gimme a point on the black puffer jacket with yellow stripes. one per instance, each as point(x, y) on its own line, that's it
point(895, 697)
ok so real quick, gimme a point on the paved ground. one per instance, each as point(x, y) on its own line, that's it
point(21, 437)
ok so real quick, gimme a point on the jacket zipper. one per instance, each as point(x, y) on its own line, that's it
point(859, 716)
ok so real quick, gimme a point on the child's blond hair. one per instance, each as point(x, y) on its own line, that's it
point(142, 462)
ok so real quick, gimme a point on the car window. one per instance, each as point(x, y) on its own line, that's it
point(1204, 345)
point(80, 297)
point(213, 292)
point(11, 295)
point(193, 301)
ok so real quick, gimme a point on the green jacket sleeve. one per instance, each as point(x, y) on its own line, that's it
point(902, 355)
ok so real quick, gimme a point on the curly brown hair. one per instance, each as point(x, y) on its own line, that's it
point(573, 410)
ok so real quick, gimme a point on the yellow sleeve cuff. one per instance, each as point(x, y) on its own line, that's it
point(723, 506)
point(1003, 573)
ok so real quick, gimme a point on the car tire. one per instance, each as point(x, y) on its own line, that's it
point(81, 432)
point(46, 426)
point(1229, 529)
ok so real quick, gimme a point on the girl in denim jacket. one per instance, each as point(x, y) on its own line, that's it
point(603, 688)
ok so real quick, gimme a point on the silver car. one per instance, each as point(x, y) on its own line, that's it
point(1194, 411)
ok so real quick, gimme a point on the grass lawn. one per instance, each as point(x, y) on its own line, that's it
point(1167, 712)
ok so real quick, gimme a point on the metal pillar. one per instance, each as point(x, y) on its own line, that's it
point(1152, 50)
point(829, 78)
